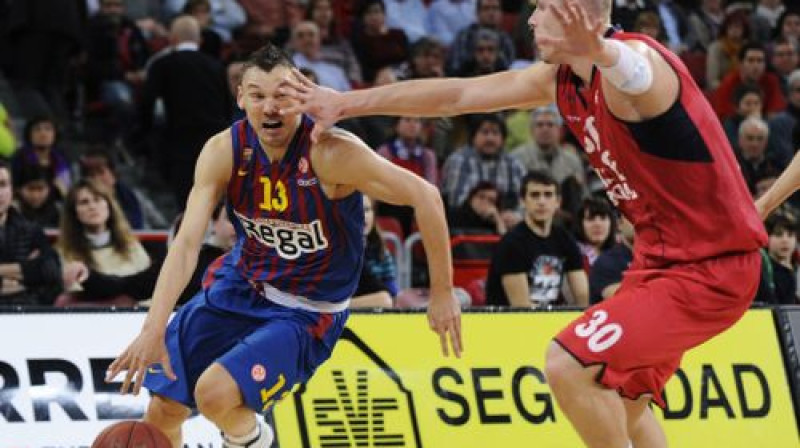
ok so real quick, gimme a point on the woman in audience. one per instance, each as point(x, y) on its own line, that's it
point(788, 26)
point(376, 44)
point(749, 101)
point(335, 48)
point(378, 282)
point(723, 53)
point(94, 233)
point(596, 229)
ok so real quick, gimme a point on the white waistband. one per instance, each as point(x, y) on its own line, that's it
point(275, 295)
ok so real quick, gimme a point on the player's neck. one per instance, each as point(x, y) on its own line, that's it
point(583, 68)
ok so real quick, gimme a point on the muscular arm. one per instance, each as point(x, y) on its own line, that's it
point(517, 290)
point(787, 183)
point(342, 159)
point(211, 176)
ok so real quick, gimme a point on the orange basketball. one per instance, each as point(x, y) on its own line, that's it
point(131, 434)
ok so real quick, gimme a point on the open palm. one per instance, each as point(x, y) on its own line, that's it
point(582, 36)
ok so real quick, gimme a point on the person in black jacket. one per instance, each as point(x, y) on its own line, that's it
point(197, 103)
point(30, 270)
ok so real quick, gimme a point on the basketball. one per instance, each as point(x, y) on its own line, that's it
point(130, 434)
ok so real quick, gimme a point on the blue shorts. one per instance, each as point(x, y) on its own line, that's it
point(267, 349)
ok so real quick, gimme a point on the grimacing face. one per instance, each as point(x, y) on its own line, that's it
point(260, 99)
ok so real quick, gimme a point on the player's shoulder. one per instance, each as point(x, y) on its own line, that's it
point(336, 140)
point(220, 140)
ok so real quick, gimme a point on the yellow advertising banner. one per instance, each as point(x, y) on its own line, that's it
point(387, 385)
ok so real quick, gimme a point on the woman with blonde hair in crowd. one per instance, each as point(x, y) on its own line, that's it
point(102, 258)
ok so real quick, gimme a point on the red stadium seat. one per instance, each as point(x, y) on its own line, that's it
point(471, 258)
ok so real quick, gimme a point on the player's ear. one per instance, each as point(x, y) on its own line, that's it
point(240, 96)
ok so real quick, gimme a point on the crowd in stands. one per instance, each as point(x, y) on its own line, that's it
point(106, 104)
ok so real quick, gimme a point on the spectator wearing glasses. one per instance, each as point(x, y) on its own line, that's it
point(752, 155)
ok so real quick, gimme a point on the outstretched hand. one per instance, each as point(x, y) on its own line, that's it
point(582, 35)
point(147, 349)
point(444, 318)
point(323, 104)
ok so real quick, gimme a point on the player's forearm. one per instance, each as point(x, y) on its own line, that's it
point(429, 211)
point(419, 98)
point(178, 268)
point(787, 183)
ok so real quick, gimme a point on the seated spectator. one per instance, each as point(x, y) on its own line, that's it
point(8, 144)
point(36, 200)
point(39, 148)
point(625, 12)
point(226, 15)
point(378, 282)
point(30, 272)
point(788, 26)
point(649, 24)
point(595, 229)
point(752, 70)
point(426, 60)
point(210, 41)
point(94, 233)
point(704, 24)
point(533, 258)
point(306, 48)
point(335, 49)
point(784, 59)
point(606, 275)
point(782, 247)
point(408, 15)
point(723, 53)
point(749, 100)
point(376, 45)
point(480, 212)
point(485, 57)
point(447, 17)
point(784, 131)
point(140, 211)
point(266, 22)
point(490, 16)
point(483, 160)
point(220, 240)
point(752, 154)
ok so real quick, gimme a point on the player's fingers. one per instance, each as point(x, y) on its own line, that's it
point(571, 10)
point(167, 366)
point(580, 16)
point(457, 335)
point(126, 383)
point(443, 340)
point(116, 366)
point(302, 78)
point(560, 14)
point(139, 379)
point(316, 132)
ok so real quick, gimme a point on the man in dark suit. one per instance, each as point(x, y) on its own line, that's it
point(197, 103)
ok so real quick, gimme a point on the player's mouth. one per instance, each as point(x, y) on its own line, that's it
point(272, 124)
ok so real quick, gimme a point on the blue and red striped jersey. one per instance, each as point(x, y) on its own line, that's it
point(289, 234)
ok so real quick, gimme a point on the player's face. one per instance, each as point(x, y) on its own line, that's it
point(782, 244)
point(542, 21)
point(261, 101)
point(5, 190)
point(92, 209)
point(541, 202)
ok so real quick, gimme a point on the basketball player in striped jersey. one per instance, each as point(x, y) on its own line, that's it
point(659, 149)
point(272, 309)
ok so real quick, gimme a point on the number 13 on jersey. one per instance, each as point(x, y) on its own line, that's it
point(278, 201)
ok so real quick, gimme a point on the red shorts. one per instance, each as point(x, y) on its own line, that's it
point(640, 334)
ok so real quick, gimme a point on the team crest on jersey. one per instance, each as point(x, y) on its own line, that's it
point(289, 239)
point(247, 155)
point(258, 372)
point(302, 165)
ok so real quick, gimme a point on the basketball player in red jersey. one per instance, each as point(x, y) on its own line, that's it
point(664, 159)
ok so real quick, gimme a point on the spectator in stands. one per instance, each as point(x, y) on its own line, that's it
point(117, 54)
point(595, 229)
point(234, 71)
point(226, 15)
point(30, 272)
point(40, 40)
point(533, 258)
point(649, 24)
point(770, 10)
point(266, 22)
point(674, 23)
point(788, 26)
point(426, 60)
point(306, 48)
point(95, 234)
point(8, 144)
point(752, 154)
point(196, 107)
point(377, 45)
point(704, 24)
point(40, 149)
point(723, 52)
point(749, 100)
point(408, 15)
point(783, 128)
point(210, 40)
point(378, 282)
point(35, 198)
point(486, 57)
point(625, 12)
point(782, 247)
point(483, 159)
point(150, 16)
point(447, 17)
point(784, 60)
point(752, 70)
point(220, 240)
point(480, 212)
point(335, 49)
point(490, 16)
point(606, 275)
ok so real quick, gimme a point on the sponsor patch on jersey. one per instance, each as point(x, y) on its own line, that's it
point(289, 239)
point(258, 372)
point(247, 155)
point(302, 165)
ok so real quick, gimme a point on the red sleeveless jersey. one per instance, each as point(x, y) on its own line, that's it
point(674, 177)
